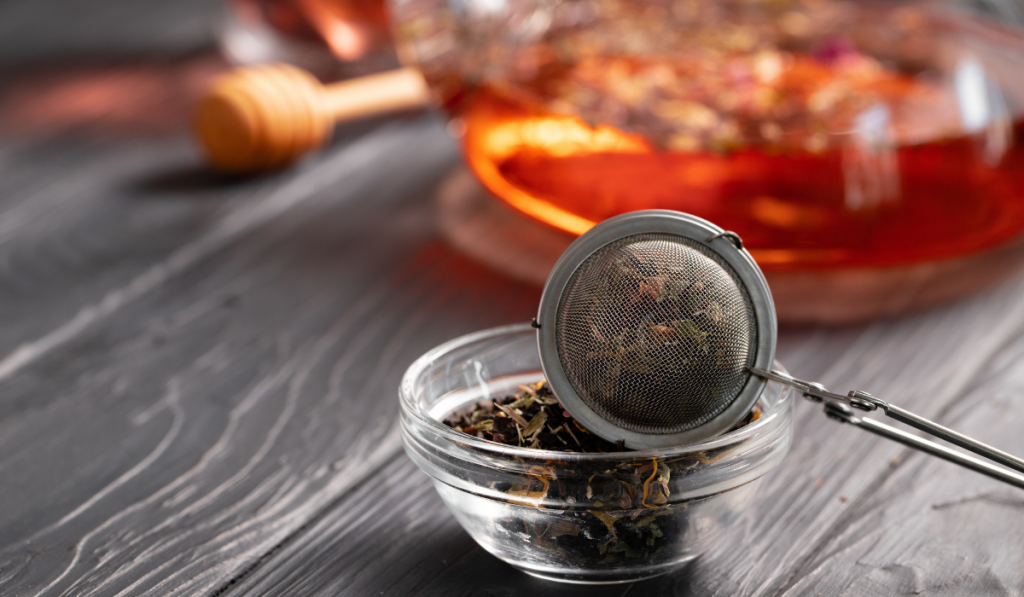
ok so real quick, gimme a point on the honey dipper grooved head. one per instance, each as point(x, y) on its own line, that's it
point(260, 118)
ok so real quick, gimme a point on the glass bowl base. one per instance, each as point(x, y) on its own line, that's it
point(605, 577)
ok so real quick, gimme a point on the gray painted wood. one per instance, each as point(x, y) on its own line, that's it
point(164, 377)
point(198, 376)
point(846, 513)
point(59, 30)
point(206, 407)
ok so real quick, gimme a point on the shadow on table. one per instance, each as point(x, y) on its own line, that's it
point(185, 179)
point(197, 176)
point(478, 573)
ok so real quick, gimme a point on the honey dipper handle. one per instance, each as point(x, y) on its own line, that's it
point(399, 89)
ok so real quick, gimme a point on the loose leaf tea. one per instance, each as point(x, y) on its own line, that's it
point(621, 510)
point(533, 418)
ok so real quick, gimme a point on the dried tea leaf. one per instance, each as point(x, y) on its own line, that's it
point(564, 528)
point(524, 402)
point(607, 519)
point(497, 420)
point(688, 329)
point(487, 425)
point(518, 418)
point(535, 425)
point(528, 390)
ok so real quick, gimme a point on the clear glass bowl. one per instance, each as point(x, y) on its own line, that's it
point(571, 517)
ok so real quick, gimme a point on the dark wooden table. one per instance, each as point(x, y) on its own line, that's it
point(198, 376)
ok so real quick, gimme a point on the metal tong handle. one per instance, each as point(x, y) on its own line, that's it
point(838, 407)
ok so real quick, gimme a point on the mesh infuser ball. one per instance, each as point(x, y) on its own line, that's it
point(649, 326)
point(656, 328)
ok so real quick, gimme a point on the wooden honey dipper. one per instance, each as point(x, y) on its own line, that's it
point(259, 118)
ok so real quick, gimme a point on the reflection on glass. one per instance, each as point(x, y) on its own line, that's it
point(825, 133)
point(870, 162)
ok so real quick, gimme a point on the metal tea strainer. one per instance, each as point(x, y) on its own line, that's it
point(657, 328)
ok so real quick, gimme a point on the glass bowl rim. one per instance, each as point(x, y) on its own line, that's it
point(422, 419)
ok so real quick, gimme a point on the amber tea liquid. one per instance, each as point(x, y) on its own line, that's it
point(916, 189)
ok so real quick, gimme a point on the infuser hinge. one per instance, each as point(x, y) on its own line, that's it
point(837, 411)
point(864, 401)
point(731, 236)
point(814, 391)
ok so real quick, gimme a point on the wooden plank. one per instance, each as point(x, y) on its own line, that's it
point(99, 198)
point(173, 441)
point(392, 537)
point(70, 232)
point(805, 508)
point(931, 528)
point(90, 226)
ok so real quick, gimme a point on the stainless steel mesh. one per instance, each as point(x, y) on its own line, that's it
point(655, 334)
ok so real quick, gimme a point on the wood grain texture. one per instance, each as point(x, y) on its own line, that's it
point(173, 428)
point(46, 30)
point(846, 514)
point(224, 410)
point(198, 375)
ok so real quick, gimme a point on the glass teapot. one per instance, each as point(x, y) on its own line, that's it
point(828, 134)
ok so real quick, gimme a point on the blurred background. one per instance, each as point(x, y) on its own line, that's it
point(869, 153)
